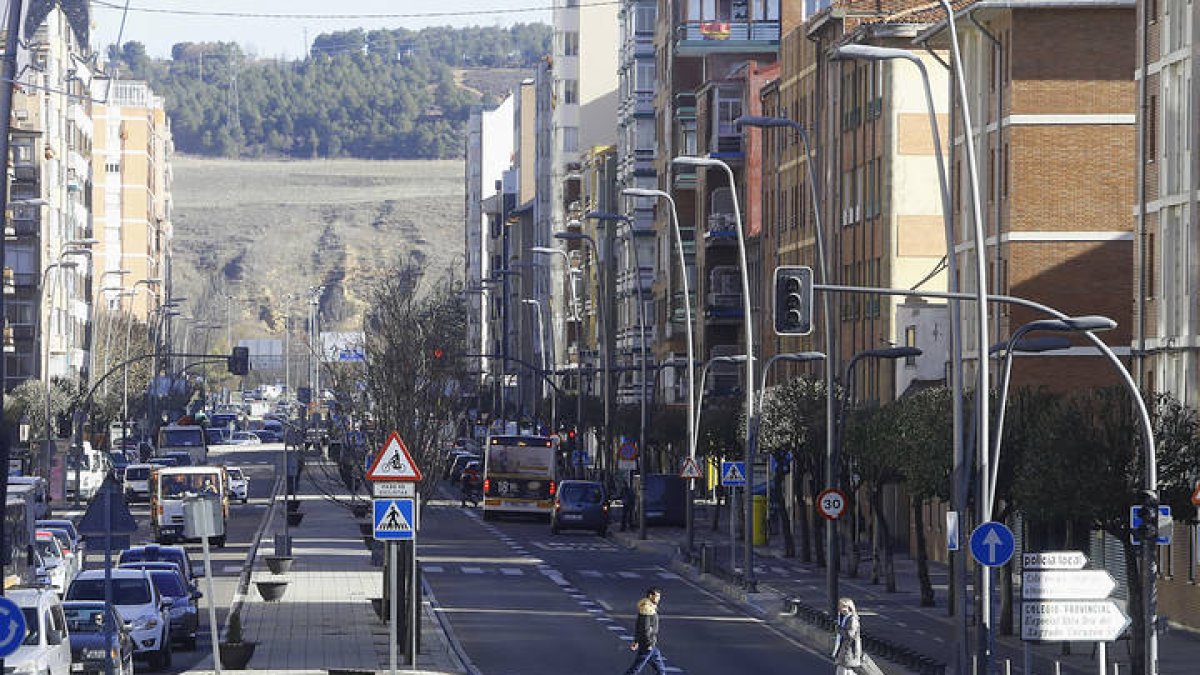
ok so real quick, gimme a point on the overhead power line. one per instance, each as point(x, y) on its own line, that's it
point(102, 4)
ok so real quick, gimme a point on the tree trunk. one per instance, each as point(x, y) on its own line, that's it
point(883, 539)
point(876, 547)
point(802, 515)
point(927, 597)
point(785, 523)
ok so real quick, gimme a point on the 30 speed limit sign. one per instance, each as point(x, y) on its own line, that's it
point(831, 503)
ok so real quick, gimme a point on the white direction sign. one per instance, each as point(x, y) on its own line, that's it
point(1076, 621)
point(1066, 584)
point(1054, 560)
point(394, 489)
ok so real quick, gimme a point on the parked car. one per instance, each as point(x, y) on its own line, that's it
point(140, 606)
point(244, 438)
point(89, 643)
point(239, 485)
point(580, 505)
point(459, 464)
point(56, 569)
point(64, 524)
point(268, 436)
point(216, 435)
point(665, 499)
point(72, 557)
point(46, 649)
point(185, 613)
point(137, 481)
point(177, 555)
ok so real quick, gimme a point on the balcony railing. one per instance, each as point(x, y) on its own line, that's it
point(722, 35)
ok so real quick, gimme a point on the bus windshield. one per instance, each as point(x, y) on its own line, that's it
point(181, 438)
point(177, 485)
point(518, 456)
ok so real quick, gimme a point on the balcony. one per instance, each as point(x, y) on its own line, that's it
point(25, 172)
point(685, 106)
point(727, 145)
point(685, 178)
point(697, 38)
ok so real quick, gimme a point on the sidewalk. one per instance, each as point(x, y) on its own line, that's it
point(325, 622)
point(903, 636)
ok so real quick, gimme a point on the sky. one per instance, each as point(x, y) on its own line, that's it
point(285, 27)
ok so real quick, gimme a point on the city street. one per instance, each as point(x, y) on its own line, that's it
point(520, 600)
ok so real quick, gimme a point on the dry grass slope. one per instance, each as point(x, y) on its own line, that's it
point(260, 230)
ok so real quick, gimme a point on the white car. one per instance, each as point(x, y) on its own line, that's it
point(137, 481)
point(56, 569)
point(239, 485)
point(136, 599)
point(46, 649)
point(244, 438)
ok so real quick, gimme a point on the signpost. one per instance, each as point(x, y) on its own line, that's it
point(394, 475)
point(831, 503)
point(1063, 602)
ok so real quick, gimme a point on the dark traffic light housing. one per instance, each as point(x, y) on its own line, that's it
point(239, 361)
point(793, 300)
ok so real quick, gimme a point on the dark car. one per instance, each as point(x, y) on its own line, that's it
point(185, 615)
point(119, 461)
point(665, 499)
point(580, 505)
point(268, 435)
point(159, 553)
point(215, 436)
point(89, 645)
point(181, 457)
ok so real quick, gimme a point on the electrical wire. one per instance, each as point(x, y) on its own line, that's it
point(342, 17)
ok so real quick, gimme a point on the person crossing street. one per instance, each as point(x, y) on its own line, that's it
point(645, 635)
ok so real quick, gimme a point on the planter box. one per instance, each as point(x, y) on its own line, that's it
point(293, 519)
point(271, 590)
point(279, 564)
point(293, 505)
point(235, 655)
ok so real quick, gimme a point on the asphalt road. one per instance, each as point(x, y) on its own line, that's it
point(521, 600)
point(259, 463)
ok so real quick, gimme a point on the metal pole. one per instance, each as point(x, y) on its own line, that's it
point(393, 637)
point(212, 602)
point(47, 456)
point(414, 601)
point(641, 385)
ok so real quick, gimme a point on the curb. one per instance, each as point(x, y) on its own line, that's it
point(465, 664)
point(239, 595)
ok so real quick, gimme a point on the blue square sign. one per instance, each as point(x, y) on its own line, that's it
point(394, 519)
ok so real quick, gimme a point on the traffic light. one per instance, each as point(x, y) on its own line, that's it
point(793, 300)
point(239, 361)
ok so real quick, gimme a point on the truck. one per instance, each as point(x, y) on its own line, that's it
point(169, 485)
point(189, 438)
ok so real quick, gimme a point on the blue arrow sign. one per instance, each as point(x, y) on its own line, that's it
point(12, 627)
point(992, 544)
point(394, 520)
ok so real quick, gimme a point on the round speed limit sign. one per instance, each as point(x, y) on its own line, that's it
point(831, 503)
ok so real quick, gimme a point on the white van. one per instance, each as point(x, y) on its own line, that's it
point(168, 487)
point(189, 438)
point(87, 471)
point(39, 491)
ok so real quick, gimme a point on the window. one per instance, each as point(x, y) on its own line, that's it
point(644, 17)
point(645, 75)
point(570, 92)
point(570, 43)
point(112, 167)
point(570, 139)
point(1152, 129)
point(910, 340)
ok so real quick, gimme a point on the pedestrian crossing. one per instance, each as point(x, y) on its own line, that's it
point(510, 571)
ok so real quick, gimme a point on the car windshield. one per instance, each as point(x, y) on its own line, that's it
point(48, 549)
point(583, 494)
point(124, 591)
point(32, 630)
point(168, 583)
point(184, 438)
point(177, 485)
point(64, 539)
point(84, 619)
point(235, 474)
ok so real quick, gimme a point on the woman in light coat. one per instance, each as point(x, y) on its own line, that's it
point(848, 653)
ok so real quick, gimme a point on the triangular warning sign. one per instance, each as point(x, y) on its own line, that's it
point(1196, 495)
point(690, 469)
point(393, 521)
point(733, 474)
point(120, 520)
point(394, 462)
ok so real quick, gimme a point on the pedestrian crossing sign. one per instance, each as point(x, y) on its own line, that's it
point(733, 474)
point(394, 519)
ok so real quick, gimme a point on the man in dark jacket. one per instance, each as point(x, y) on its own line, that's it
point(645, 635)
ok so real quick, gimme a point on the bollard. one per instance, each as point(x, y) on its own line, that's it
point(1057, 668)
point(1116, 669)
point(706, 558)
point(1007, 667)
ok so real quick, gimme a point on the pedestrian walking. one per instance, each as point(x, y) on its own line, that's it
point(848, 654)
point(645, 635)
point(628, 499)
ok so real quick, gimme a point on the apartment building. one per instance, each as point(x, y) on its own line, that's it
point(131, 196)
point(48, 267)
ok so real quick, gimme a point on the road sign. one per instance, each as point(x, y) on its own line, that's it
point(1165, 523)
point(952, 538)
point(831, 503)
point(394, 519)
point(394, 489)
point(992, 544)
point(1054, 560)
point(120, 520)
point(394, 462)
point(690, 468)
point(1066, 585)
point(733, 474)
point(1074, 621)
point(12, 627)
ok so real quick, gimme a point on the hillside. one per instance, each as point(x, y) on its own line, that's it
point(260, 230)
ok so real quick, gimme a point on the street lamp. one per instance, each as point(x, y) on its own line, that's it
point(747, 321)
point(572, 273)
point(149, 284)
point(602, 338)
point(695, 432)
point(847, 389)
point(573, 278)
point(51, 285)
point(961, 486)
point(691, 350)
point(537, 306)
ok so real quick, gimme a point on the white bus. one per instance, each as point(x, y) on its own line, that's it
point(519, 475)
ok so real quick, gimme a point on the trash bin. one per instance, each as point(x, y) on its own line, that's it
point(760, 520)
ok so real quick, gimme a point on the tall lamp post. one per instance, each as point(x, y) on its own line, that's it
point(47, 454)
point(695, 432)
point(573, 277)
point(541, 328)
point(602, 338)
point(150, 284)
point(747, 322)
point(691, 350)
point(961, 479)
point(847, 395)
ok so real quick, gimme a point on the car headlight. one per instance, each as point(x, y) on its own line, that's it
point(146, 622)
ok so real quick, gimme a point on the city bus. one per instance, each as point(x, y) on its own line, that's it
point(519, 475)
